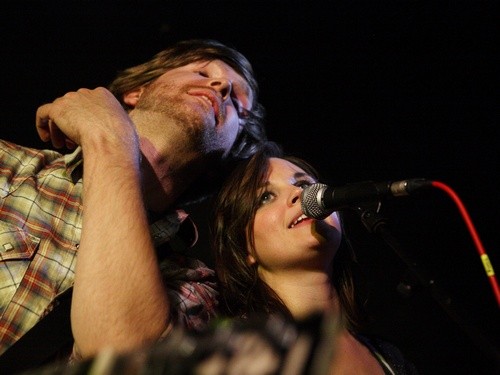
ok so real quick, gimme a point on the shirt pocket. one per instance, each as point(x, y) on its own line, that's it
point(17, 248)
point(16, 243)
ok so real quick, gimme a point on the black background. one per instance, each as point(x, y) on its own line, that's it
point(380, 90)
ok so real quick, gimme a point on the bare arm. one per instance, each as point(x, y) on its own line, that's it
point(118, 299)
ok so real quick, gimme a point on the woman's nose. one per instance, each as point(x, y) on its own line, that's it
point(223, 86)
point(294, 196)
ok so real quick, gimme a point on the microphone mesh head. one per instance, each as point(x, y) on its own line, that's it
point(311, 202)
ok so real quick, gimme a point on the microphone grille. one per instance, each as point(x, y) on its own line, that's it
point(311, 201)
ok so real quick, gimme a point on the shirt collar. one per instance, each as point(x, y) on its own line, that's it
point(174, 223)
point(74, 164)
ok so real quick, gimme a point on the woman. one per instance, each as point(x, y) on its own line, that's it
point(272, 259)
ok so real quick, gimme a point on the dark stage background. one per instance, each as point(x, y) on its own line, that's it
point(380, 90)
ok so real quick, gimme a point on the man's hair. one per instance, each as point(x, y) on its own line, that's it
point(189, 51)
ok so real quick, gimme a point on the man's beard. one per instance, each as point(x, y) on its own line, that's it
point(166, 100)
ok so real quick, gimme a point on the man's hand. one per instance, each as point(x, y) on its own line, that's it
point(76, 116)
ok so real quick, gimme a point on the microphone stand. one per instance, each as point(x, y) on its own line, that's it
point(374, 222)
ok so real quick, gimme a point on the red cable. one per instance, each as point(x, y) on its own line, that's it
point(479, 246)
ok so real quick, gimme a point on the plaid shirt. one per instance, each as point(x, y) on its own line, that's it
point(40, 228)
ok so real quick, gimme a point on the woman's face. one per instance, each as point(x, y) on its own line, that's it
point(284, 238)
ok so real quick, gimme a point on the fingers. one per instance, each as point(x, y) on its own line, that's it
point(56, 135)
point(49, 131)
point(74, 117)
point(42, 122)
point(70, 144)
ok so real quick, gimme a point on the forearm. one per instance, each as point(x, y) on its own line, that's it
point(118, 299)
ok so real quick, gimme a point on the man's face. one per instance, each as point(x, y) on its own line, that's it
point(206, 102)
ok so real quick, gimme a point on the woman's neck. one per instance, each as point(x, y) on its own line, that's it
point(305, 292)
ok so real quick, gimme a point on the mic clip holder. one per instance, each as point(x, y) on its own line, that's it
point(370, 215)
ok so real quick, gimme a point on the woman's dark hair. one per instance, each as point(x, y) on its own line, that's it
point(242, 291)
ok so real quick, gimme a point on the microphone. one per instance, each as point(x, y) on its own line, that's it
point(319, 200)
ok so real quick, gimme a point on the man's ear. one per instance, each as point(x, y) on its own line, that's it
point(130, 98)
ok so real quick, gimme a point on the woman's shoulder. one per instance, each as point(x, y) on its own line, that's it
point(389, 355)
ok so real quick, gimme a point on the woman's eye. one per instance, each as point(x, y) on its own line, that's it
point(201, 73)
point(303, 184)
point(265, 198)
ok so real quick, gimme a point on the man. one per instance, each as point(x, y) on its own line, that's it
point(190, 111)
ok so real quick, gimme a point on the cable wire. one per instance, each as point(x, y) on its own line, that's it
point(488, 267)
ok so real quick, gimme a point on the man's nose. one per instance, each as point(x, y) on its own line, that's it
point(223, 86)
